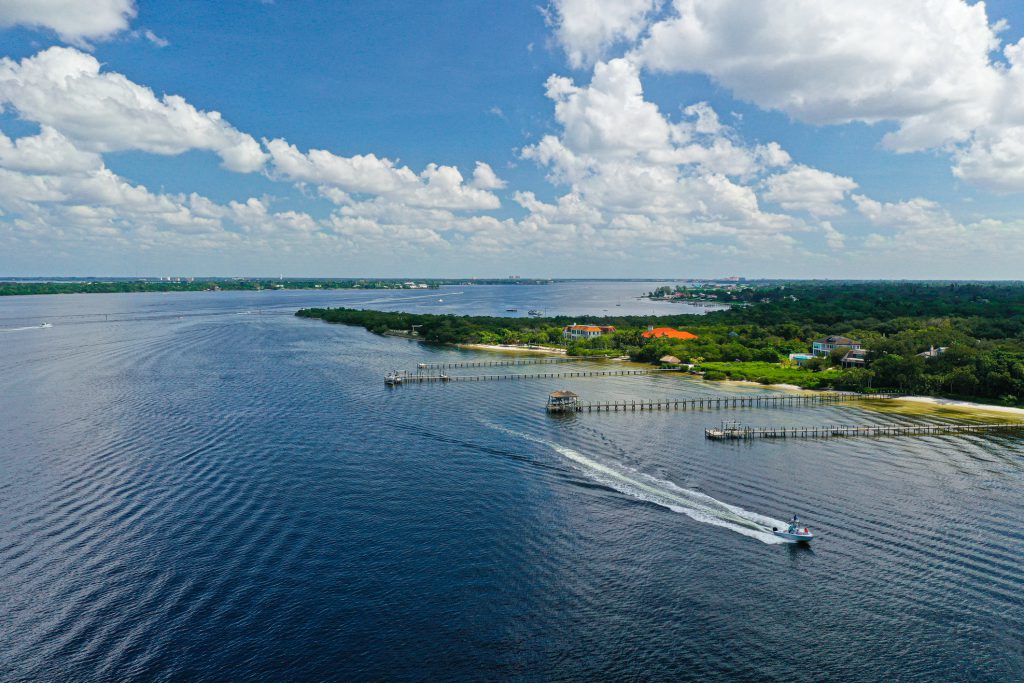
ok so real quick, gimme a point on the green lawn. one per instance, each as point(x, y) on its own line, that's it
point(772, 373)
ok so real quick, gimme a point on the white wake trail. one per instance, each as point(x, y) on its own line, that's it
point(694, 504)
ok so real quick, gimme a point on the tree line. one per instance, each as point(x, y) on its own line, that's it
point(980, 326)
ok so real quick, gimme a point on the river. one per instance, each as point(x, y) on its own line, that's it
point(202, 486)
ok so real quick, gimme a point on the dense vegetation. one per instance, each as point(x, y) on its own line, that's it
point(980, 325)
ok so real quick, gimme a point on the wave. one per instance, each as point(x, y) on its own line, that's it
point(697, 506)
point(390, 299)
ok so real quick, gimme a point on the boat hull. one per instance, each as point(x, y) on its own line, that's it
point(794, 538)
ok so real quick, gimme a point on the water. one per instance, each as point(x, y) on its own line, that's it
point(202, 486)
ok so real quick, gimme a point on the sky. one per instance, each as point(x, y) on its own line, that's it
point(581, 138)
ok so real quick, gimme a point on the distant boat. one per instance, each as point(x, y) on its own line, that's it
point(46, 325)
point(440, 301)
point(512, 310)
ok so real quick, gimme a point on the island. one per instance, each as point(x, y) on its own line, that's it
point(950, 339)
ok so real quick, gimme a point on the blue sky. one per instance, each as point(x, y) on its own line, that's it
point(584, 138)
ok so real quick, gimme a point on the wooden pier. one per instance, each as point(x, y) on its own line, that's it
point(734, 431)
point(393, 379)
point(718, 402)
point(498, 363)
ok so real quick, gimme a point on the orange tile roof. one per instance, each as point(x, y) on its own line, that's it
point(658, 332)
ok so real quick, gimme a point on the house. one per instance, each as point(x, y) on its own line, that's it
point(585, 331)
point(667, 333)
point(670, 360)
point(826, 345)
point(933, 352)
point(854, 358)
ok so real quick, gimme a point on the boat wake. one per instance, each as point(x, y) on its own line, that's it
point(694, 504)
point(23, 329)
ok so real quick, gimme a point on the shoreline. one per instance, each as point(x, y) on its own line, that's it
point(966, 405)
point(510, 348)
point(935, 401)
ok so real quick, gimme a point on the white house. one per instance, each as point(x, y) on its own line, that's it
point(585, 331)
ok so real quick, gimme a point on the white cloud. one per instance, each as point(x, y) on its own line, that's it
point(924, 63)
point(918, 215)
point(47, 152)
point(485, 178)
point(609, 116)
point(586, 28)
point(436, 186)
point(103, 112)
point(155, 39)
point(803, 188)
point(920, 233)
point(635, 175)
point(75, 21)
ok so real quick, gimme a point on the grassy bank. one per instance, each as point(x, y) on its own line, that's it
point(773, 373)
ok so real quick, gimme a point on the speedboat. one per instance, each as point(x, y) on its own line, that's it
point(795, 532)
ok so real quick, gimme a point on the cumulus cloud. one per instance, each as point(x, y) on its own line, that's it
point(435, 187)
point(926, 65)
point(75, 21)
point(47, 152)
point(803, 188)
point(64, 89)
point(485, 178)
point(586, 28)
point(918, 233)
point(635, 174)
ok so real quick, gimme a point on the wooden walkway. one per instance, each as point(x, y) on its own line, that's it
point(726, 432)
point(498, 363)
point(416, 378)
point(718, 402)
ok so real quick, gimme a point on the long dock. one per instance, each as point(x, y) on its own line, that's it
point(718, 402)
point(727, 432)
point(417, 378)
point(498, 363)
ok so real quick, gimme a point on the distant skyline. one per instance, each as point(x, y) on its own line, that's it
point(579, 139)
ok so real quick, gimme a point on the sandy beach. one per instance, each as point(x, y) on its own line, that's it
point(512, 348)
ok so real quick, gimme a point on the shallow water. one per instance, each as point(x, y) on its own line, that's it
point(204, 486)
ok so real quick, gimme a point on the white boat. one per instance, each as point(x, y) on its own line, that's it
point(46, 325)
point(795, 532)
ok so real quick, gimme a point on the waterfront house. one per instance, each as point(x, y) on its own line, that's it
point(826, 345)
point(667, 333)
point(585, 331)
point(670, 360)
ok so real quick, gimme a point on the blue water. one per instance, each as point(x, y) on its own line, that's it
point(202, 486)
